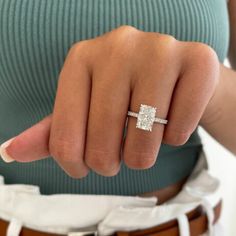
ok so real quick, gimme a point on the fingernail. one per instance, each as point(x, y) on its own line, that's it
point(6, 157)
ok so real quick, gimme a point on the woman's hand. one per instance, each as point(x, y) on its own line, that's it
point(101, 80)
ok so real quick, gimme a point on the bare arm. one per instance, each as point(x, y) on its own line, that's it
point(232, 18)
point(219, 118)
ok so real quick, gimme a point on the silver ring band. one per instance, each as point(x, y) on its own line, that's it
point(146, 117)
point(157, 120)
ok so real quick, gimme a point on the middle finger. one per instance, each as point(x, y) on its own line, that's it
point(107, 116)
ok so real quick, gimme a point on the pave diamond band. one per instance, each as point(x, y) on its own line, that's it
point(157, 120)
point(146, 117)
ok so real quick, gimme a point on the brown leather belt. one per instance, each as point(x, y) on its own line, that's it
point(197, 219)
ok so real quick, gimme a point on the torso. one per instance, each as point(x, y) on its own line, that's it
point(35, 37)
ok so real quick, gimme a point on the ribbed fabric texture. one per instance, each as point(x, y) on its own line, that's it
point(35, 36)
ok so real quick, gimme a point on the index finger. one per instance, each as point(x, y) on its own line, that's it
point(70, 113)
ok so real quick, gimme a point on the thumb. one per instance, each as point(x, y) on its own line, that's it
point(30, 145)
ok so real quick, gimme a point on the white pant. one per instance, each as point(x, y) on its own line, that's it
point(23, 205)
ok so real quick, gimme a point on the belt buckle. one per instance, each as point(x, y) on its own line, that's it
point(84, 233)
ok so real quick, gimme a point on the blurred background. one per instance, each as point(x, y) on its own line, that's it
point(223, 165)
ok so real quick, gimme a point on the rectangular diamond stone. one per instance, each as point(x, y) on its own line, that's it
point(146, 117)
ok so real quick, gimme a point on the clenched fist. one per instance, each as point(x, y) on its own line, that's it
point(104, 77)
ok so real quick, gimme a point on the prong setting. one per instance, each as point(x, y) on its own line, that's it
point(146, 117)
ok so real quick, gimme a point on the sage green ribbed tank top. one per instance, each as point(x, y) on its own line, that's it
point(35, 36)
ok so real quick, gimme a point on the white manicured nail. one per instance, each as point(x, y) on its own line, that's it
point(3, 152)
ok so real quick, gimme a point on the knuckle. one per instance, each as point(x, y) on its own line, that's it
point(79, 51)
point(165, 42)
point(167, 39)
point(63, 150)
point(127, 28)
point(78, 46)
point(165, 52)
point(204, 55)
point(140, 160)
point(126, 40)
point(123, 39)
point(125, 35)
point(102, 162)
point(205, 59)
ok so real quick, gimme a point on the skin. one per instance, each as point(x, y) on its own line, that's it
point(104, 77)
point(220, 116)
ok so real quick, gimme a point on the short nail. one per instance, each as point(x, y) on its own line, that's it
point(6, 157)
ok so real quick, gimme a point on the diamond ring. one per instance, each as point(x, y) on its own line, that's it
point(146, 117)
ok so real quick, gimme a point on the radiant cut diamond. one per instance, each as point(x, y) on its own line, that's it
point(146, 117)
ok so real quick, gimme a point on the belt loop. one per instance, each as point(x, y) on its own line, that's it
point(183, 223)
point(1, 180)
point(210, 216)
point(14, 228)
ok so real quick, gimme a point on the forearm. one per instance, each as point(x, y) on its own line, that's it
point(219, 118)
point(232, 44)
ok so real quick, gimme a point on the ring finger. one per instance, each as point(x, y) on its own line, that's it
point(141, 147)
